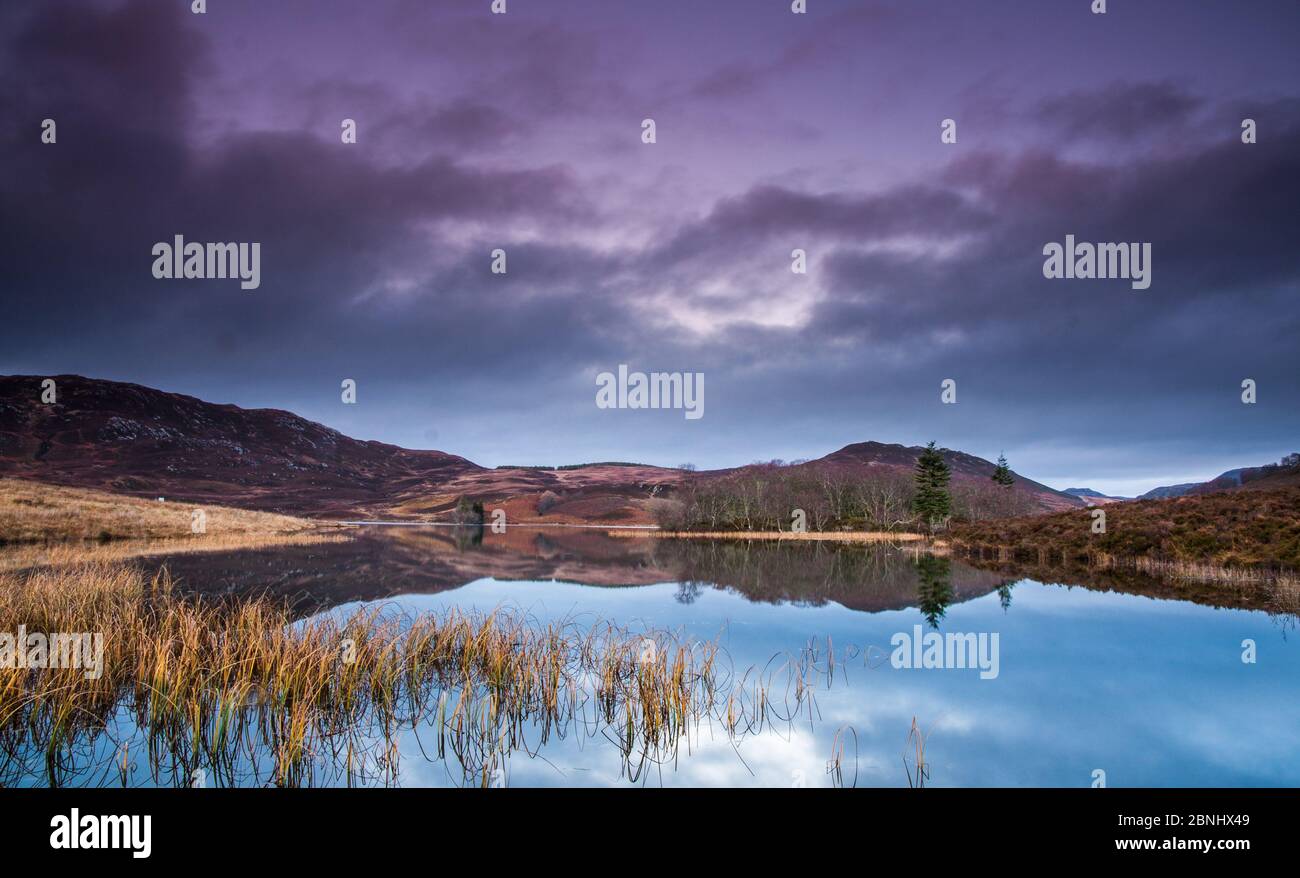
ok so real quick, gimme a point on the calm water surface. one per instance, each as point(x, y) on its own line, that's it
point(1152, 690)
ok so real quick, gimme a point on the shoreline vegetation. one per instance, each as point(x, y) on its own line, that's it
point(35, 513)
point(764, 497)
point(1226, 536)
point(1004, 558)
point(243, 693)
point(24, 556)
point(1230, 537)
point(807, 536)
point(1276, 593)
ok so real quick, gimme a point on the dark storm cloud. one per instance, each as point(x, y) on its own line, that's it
point(460, 125)
point(375, 256)
point(332, 224)
point(824, 41)
point(771, 210)
point(1123, 111)
point(1219, 219)
point(107, 62)
point(1092, 360)
point(543, 67)
point(470, 125)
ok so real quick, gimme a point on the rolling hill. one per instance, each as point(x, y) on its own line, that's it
point(135, 440)
point(966, 469)
point(1283, 474)
point(1260, 530)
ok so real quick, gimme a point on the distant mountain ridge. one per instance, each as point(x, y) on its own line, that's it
point(1093, 498)
point(136, 440)
point(1282, 474)
point(1165, 492)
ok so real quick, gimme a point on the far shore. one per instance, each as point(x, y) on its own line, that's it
point(815, 536)
point(1213, 540)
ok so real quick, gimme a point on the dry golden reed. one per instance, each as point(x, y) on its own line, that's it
point(26, 556)
point(32, 512)
point(239, 692)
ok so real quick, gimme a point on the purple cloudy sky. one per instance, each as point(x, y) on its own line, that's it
point(775, 131)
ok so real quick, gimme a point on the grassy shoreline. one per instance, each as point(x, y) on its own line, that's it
point(1232, 539)
point(35, 512)
point(809, 536)
point(1226, 537)
point(26, 556)
point(1040, 563)
point(1230, 536)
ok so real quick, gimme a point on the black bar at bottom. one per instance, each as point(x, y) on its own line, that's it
point(295, 828)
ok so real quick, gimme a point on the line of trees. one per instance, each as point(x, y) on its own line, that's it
point(764, 497)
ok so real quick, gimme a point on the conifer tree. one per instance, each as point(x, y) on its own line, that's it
point(1002, 475)
point(932, 502)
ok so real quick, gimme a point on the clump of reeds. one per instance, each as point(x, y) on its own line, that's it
point(224, 687)
point(1215, 573)
point(239, 692)
point(918, 772)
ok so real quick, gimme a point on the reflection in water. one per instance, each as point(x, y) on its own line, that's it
point(934, 591)
point(1101, 676)
point(387, 562)
point(687, 592)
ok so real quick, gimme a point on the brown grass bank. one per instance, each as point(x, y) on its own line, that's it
point(26, 556)
point(32, 512)
point(1230, 536)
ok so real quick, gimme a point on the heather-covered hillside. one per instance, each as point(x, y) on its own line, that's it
point(1248, 529)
